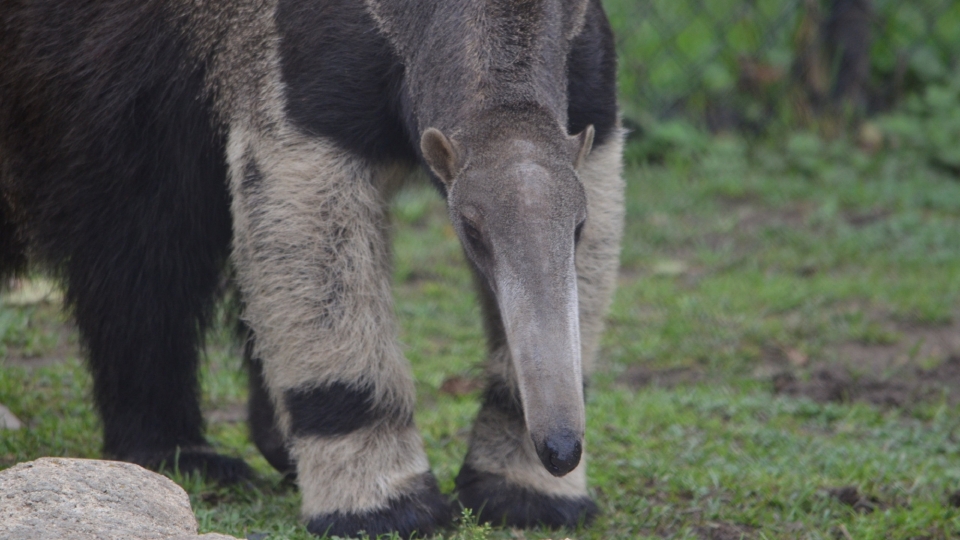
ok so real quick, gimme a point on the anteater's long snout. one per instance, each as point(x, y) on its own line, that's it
point(541, 318)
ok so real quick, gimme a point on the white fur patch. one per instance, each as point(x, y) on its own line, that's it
point(358, 472)
point(598, 253)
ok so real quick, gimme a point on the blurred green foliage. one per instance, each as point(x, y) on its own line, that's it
point(697, 59)
point(674, 52)
point(920, 37)
point(734, 66)
point(929, 123)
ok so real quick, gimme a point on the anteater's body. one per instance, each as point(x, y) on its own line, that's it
point(146, 143)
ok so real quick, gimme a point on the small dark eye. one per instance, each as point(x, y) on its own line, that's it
point(471, 231)
point(578, 231)
point(473, 236)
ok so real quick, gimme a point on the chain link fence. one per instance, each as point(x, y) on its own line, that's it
point(753, 64)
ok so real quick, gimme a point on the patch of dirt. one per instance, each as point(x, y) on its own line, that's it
point(752, 218)
point(922, 365)
point(231, 414)
point(908, 385)
point(724, 531)
point(66, 348)
point(851, 496)
point(56, 334)
point(458, 385)
point(916, 343)
point(641, 376)
point(868, 217)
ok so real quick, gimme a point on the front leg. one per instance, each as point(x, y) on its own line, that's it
point(502, 478)
point(313, 265)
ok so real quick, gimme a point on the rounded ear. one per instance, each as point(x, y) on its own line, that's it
point(439, 153)
point(583, 143)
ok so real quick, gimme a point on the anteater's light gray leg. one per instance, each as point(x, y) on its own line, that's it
point(502, 478)
point(313, 264)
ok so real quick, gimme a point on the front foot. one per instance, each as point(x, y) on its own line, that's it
point(494, 499)
point(421, 511)
point(201, 460)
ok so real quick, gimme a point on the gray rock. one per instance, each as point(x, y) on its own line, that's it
point(7, 419)
point(85, 499)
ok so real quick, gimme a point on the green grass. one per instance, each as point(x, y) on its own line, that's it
point(733, 258)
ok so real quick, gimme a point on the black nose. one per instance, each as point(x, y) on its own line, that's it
point(560, 453)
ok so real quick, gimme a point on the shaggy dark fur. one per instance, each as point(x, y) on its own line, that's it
point(116, 176)
point(353, 91)
point(12, 259)
point(592, 73)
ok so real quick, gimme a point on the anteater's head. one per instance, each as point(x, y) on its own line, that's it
point(518, 207)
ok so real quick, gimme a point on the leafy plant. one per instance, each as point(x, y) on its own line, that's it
point(929, 123)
